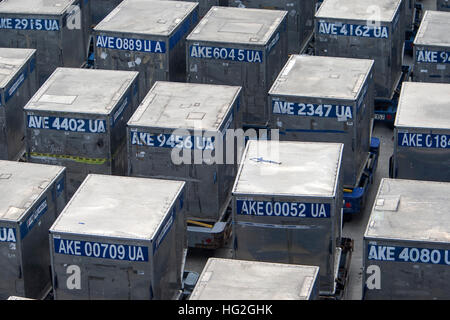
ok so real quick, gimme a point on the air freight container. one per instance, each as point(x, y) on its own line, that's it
point(432, 48)
point(180, 132)
point(407, 242)
point(300, 18)
point(227, 279)
point(422, 132)
point(326, 99)
point(146, 36)
point(18, 83)
point(101, 8)
point(366, 30)
point(116, 245)
point(240, 47)
point(78, 118)
point(287, 206)
point(32, 196)
point(58, 29)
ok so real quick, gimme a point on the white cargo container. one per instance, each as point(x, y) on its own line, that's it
point(432, 48)
point(78, 118)
point(240, 47)
point(226, 279)
point(18, 83)
point(326, 99)
point(407, 242)
point(147, 36)
point(58, 29)
point(365, 30)
point(422, 132)
point(32, 196)
point(120, 238)
point(176, 134)
point(287, 206)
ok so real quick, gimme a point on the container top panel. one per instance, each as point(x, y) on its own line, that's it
point(11, 61)
point(227, 279)
point(424, 105)
point(322, 77)
point(118, 207)
point(90, 91)
point(21, 184)
point(289, 169)
point(44, 7)
point(238, 25)
point(185, 106)
point(411, 210)
point(434, 29)
point(146, 17)
point(367, 10)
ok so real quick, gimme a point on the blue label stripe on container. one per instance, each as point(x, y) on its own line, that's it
point(283, 209)
point(423, 140)
point(195, 16)
point(8, 23)
point(8, 235)
point(408, 254)
point(311, 109)
point(32, 65)
point(173, 40)
point(161, 235)
point(99, 250)
point(273, 42)
point(172, 141)
point(123, 104)
point(428, 56)
point(130, 44)
point(34, 217)
point(17, 83)
point(229, 54)
point(353, 30)
point(66, 124)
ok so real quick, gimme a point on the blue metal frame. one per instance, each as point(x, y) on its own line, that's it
point(357, 198)
point(410, 35)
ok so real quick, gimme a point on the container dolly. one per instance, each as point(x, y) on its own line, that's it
point(89, 63)
point(411, 34)
point(210, 235)
point(385, 109)
point(342, 271)
point(355, 199)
